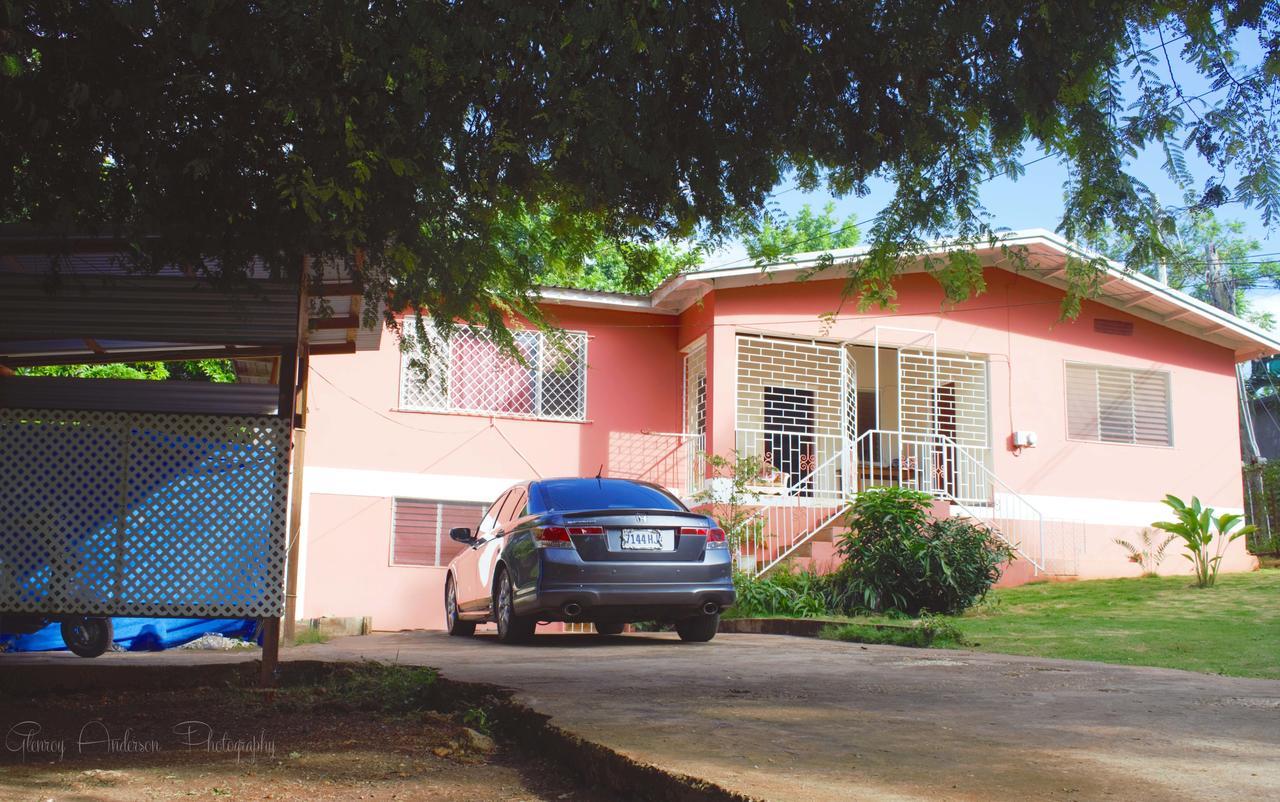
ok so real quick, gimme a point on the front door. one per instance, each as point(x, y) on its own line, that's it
point(790, 446)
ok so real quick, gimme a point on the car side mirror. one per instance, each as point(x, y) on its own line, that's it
point(461, 534)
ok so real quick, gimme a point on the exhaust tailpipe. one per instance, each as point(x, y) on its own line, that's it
point(710, 608)
point(572, 609)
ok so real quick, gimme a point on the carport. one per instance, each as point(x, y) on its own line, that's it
point(156, 499)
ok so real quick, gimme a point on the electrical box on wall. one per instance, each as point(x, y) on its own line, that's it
point(1024, 439)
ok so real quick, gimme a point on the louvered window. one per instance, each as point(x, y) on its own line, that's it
point(420, 530)
point(470, 373)
point(1115, 405)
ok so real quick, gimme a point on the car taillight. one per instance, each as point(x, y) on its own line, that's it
point(558, 536)
point(714, 535)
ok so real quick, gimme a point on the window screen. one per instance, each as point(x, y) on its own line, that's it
point(1117, 405)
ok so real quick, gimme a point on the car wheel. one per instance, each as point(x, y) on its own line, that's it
point(87, 637)
point(608, 628)
point(698, 629)
point(455, 624)
point(511, 627)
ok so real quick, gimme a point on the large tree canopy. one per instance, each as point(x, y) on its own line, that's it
point(418, 132)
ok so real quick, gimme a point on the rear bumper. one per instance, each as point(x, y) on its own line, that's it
point(609, 591)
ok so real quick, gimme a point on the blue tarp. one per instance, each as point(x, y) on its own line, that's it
point(136, 634)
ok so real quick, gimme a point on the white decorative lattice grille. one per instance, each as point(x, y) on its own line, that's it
point(695, 391)
point(790, 409)
point(774, 371)
point(946, 394)
point(142, 514)
point(470, 373)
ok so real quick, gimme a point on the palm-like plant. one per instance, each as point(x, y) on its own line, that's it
point(1199, 529)
point(1150, 555)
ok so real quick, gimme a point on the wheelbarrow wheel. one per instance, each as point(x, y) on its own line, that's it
point(87, 637)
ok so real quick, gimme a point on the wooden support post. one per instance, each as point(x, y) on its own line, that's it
point(288, 382)
point(295, 535)
point(296, 411)
point(270, 651)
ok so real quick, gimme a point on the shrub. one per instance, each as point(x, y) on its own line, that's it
point(897, 558)
point(785, 593)
point(729, 499)
point(1199, 529)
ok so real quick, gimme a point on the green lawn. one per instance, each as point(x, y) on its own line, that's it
point(1233, 628)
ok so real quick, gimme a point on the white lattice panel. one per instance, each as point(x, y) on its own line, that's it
point(137, 514)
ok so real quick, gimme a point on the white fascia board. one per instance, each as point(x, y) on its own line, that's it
point(1217, 318)
point(595, 299)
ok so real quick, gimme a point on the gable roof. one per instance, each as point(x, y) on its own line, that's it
point(1047, 255)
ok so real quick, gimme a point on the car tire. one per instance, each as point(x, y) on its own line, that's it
point(456, 625)
point(511, 627)
point(698, 629)
point(87, 637)
point(608, 628)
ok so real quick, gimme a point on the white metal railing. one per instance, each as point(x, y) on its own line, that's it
point(682, 465)
point(931, 463)
point(796, 465)
point(790, 508)
point(786, 519)
point(936, 464)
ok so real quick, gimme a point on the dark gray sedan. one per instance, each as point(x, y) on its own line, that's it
point(607, 551)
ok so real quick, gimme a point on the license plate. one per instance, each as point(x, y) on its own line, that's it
point(642, 539)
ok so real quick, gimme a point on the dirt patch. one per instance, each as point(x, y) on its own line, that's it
point(315, 740)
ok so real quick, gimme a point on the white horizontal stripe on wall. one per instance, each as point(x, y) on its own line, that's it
point(1101, 511)
point(385, 484)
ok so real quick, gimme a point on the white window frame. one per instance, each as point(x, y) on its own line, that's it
point(1066, 395)
point(405, 403)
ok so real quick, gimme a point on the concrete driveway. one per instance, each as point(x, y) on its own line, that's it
point(787, 718)
point(791, 718)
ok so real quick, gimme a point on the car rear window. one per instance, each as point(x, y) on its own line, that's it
point(562, 495)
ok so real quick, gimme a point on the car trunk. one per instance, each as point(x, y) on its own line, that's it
point(630, 535)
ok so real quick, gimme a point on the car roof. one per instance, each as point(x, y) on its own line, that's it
point(605, 479)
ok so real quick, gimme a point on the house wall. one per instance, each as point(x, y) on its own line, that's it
point(1103, 490)
point(362, 452)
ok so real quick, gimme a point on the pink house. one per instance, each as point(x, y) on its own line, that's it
point(1062, 435)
